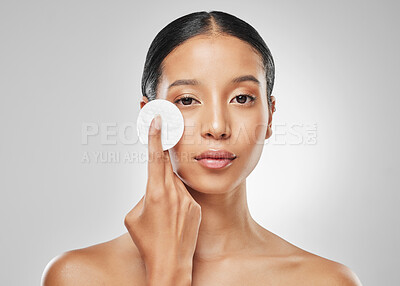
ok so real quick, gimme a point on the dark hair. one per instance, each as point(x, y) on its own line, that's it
point(201, 23)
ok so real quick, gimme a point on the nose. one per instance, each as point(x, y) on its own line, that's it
point(215, 122)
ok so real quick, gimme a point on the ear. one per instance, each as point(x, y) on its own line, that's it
point(143, 101)
point(270, 113)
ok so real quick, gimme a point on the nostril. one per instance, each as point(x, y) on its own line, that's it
point(216, 136)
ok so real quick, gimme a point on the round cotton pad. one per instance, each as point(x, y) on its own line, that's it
point(172, 122)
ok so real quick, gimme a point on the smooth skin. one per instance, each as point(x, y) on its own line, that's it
point(222, 244)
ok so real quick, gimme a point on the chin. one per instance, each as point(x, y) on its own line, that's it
point(207, 186)
point(205, 181)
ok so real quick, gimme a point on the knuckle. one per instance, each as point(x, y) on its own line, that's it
point(129, 220)
point(155, 197)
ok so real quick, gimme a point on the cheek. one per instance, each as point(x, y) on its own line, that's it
point(259, 131)
point(182, 153)
point(252, 144)
point(189, 145)
point(250, 129)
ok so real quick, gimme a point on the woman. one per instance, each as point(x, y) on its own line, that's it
point(193, 226)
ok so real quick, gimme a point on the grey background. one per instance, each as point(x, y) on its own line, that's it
point(67, 63)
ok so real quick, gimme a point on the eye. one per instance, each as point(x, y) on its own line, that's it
point(242, 98)
point(186, 100)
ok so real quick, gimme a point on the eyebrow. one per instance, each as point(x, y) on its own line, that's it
point(246, 78)
point(196, 82)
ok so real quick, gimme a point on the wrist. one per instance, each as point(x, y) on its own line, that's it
point(169, 274)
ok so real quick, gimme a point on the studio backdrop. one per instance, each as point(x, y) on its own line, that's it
point(72, 166)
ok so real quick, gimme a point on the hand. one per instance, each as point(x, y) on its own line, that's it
point(164, 224)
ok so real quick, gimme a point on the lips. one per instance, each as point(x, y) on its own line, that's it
point(216, 154)
point(215, 159)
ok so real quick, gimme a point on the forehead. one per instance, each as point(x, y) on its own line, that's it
point(213, 60)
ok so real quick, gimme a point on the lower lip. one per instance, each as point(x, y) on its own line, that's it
point(215, 163)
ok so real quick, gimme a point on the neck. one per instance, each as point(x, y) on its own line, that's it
point(226, 224)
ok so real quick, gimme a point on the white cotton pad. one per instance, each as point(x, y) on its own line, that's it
point(172, 122)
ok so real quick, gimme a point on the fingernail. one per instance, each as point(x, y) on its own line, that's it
point(157, 123)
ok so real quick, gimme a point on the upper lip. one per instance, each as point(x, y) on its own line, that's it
point(216, 154)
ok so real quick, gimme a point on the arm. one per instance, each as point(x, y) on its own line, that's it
point(164, 225)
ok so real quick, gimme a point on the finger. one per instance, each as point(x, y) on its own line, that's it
point(169, 172)
point(180, 186)
point(156, 164)
point(168, 164)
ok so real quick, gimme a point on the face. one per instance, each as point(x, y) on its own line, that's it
point(219, 112)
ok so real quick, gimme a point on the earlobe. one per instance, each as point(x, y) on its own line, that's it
point(143, 101)
point(273, 101)
point(269, 127)
point(269, 132)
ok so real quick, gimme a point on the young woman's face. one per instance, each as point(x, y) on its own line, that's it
point(219, 112)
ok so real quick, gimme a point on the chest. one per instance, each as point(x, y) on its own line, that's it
point(238, 272)
point(244, 273)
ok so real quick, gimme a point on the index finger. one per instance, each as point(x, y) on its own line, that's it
point(155, 166)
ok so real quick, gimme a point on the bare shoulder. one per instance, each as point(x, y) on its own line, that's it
point(328, 272)
point(73, 267)
point(297, 266)
point(101, 264)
